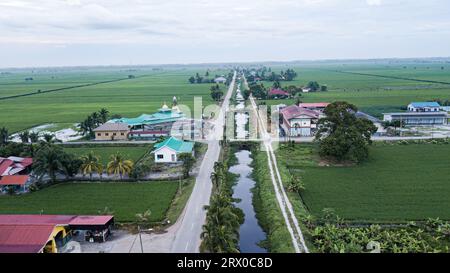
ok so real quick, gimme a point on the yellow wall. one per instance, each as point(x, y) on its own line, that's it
point(52, 246)
point(102, 135)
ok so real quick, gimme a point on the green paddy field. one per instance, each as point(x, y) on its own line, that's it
point(124, 199)
point(383, 87)
point(398, 183)
point(128, 97)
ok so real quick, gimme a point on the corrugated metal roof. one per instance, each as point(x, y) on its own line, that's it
point(314, 105)
point(5, 165)
point(32, 219)
point(293, 111)
point(19, 180)
point(91, 220)
point(162, 116)
point(175, 144)
point(425, 104)
point(23, 238)
point(112, 126)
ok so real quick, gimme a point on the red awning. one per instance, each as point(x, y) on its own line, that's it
point(14, 180)
point(91, 220)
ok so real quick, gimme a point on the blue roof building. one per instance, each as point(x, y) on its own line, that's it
point(431, 106)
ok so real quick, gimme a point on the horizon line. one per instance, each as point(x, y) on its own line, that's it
point(230, 63)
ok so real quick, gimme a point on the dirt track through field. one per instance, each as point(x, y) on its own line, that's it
point(76, 86)
point(389, 77)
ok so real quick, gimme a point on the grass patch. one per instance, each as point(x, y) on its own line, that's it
point(180, 200)
point(267, 210)
point(125, 199)
point(104, 153)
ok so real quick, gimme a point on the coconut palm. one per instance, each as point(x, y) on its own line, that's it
point(91, 164)
point(49, 139)
point(48, 161)
point(24, 136)
point(70, 164)
point(34, 137)
point(104, 114)
point(119, 166)
point(4, 136)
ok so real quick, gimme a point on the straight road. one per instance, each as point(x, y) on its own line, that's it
point(187, 237)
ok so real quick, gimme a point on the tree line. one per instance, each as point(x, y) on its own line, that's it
point(221, 231)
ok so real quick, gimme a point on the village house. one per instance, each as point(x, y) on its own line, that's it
point(112, 131)
point(14, 173)
point(168, 150)
point(306, 90)
point(424, 107)
point(276, 93)
point(298, 121)
point(50, 233)
point(221, 79)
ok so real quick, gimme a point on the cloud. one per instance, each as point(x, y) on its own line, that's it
point(260, 25)
point(373, 2)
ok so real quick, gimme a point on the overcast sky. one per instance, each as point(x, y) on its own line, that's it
point(114, 32)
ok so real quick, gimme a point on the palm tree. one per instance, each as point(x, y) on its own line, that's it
point(70, 164)
point(104, 114)
point(49, 139)
point(24, 136)
point(95, 119)
point(84, 127)
point(90, 165)
point(119, 166)
point(34, 137)
point(48, 161)
point(4, 136)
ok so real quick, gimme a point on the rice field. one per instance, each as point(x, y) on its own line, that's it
point(129, 97)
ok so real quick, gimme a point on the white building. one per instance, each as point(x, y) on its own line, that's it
point(424, 107)
point(169, 150)
point(298, 121)
point(220, 80)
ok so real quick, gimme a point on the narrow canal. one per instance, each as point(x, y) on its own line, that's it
point(251, 234)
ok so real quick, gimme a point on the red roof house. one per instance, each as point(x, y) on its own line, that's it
point(278, 93)
point(320, 106)
point(299, 121)
point(14, 180)
point(14, 165)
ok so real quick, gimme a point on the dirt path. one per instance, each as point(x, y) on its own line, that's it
point(283, 201)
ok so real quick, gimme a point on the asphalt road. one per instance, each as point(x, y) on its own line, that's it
point(187, 237)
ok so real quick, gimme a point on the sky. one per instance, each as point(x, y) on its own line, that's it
point(135, 32)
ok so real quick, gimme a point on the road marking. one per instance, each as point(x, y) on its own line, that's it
point(192, 226)
point(187, 245)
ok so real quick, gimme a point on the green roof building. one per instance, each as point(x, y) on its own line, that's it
point(165, 115)
point(168, 150)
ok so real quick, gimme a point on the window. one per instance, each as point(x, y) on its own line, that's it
point(106, 134)
point(173, 157)
point(122, 134)
point(160, 156)
point(114, 134)
point(99, 134)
